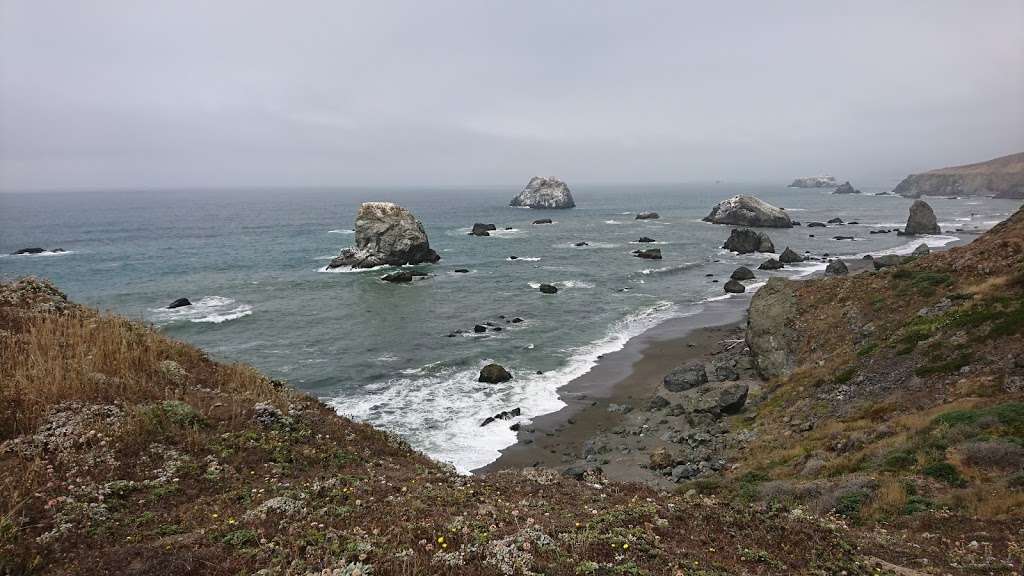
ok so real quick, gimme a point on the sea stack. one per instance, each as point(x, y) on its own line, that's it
point(921, 220)
point(544, 193)
point(745, 241)
point(749, 211)
point(386, 234)
point(846, 188)
point(814, 182)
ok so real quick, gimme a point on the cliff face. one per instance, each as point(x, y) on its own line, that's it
point(1002, 178)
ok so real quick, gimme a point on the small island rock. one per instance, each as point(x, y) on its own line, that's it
point(494, 374)
point(386, 234)
point(749, 211)
point(180, 302)
point(746, 241)
point(543, 192)
point(922, 219)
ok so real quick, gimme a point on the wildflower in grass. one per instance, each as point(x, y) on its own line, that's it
point(625, 546)
point(440, 539)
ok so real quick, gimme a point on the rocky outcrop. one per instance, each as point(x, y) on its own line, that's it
point(544, 193)
point(649, 254)
point(735, 287)
point(180, 302)
point(836, 268)
point(494, 374)
point(742, 273)
point(717, 399)
point(480, 229)
point(398, 277)
point(846, 188)
point(814, 182)
point(749, 211)
point(887, 261)
point(771, 264)
point(1002, 178)
point(386, 234)
point(921, 250)
point(922, 219)
point(548, 289)
point(788, 256)
point(746, 241)
point(647, 216)
point(690, 375)
point(770, 336)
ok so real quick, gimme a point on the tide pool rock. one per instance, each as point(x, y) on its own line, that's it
point(749, 211)
point(746, 241)
point(543, 192)
point(386, 234)
point(494, 374)
point(922, 219)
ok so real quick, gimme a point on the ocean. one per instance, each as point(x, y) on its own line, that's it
point(252, 262)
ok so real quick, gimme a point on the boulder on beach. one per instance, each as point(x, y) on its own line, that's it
point(548, 289)
point(771, 264)
point(543, 192)
point(748, 211)
point(482, 229)
point(814, 182)
point(922, 219)
point(690, 375)
point(846, 188)
point(921, 250)
point(543, 221)
point(386, 234)
point(647, 216)
point(887, 261)
point(494, 374)
point(788, 256)
point(746, 241)
point(717, 399)
point(742, 273)
point(650, 253)
point(180, 302)
point(735, 287)
point(836, 268)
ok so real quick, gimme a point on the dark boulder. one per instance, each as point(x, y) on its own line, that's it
point(836, 221)
point(494, 374)
point(836, 268)
point(35, 250)
point(548, 289)
point(479, 328)
point(887, 261)
point(735, 287)
point(815, 224)
point(400, 276)
point(788, 256)
point(647, 216)
point(482, 229)
point(645, 240)
point(843, 238)
point(922, 219)
point(742, 273)
point(746, 241)
point(690, 375)
point(461, 270)
point(581, 244)
point(179, 303)
point(543, 221)
point(771, 264)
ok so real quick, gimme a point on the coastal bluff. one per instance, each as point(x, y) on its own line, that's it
point(1000, 178)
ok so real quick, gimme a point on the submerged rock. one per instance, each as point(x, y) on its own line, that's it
point(836, 221)
point(386, 234)
point(788, 256)
point(748, 211)
point(399, 276)
point(815, 224)
point(543, 192)
point(179, 303)
point(836, 268)
point(742, 273)
point(746, 241)
point(735, 287)
point(34, 250)
point(543, 221)
point(647, 216)
point(690, 375)
point(922, 219)
point(494, 374)
point(650, 253)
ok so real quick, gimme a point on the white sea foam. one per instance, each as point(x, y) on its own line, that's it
point(524, 259)
point(439, 408)
point(350, 270)
point(612, 222)
point(341, 231)
point(211, 310)
point(42, 254)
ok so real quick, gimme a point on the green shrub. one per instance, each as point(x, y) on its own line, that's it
point(917, 504)
point(867, 349)
point(945, 472)
point(849, 504)
point(846, 375)
point(948, 367)
point(898, 460)
point(240, 538)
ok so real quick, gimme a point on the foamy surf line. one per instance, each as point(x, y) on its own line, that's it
point(438, 409)
point(209, 310)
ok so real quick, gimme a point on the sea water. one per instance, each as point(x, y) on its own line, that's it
point(253, 264)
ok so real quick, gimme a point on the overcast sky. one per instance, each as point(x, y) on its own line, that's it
point(148, 94)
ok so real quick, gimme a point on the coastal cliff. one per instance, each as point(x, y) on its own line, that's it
point(1002, 178)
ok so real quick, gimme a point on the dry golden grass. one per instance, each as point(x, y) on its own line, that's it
point(889, 499)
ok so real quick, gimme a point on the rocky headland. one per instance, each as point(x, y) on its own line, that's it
point(1001, 178)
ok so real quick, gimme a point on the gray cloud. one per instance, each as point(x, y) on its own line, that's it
point(236, 93)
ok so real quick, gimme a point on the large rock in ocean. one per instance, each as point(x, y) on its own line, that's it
point(789, 256)
point(770, 335)
point(735, 287)
point(544, 193)
point(749, 211)
point(846, 188)
point(814, 182)
point(746, 241)
point(1002, 178)
point(494, 374)
point(922, 219)
point(386, 234)
point(742, 273)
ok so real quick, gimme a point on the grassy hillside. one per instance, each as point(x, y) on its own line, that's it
point(122, 451)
